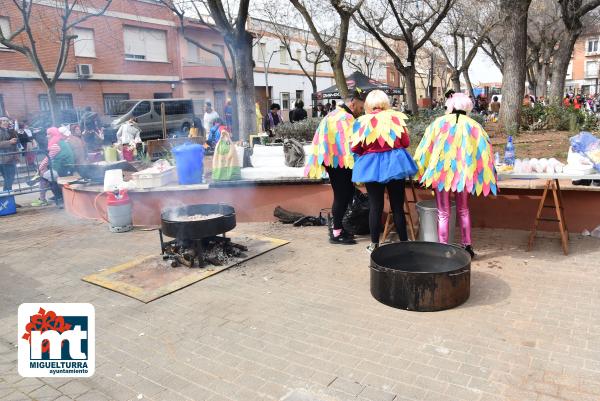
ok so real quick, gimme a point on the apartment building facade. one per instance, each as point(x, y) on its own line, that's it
point(136, 50)
point(284, 78)
point(584, 69)
point(131, 52)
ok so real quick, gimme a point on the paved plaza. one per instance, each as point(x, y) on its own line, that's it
point(299, 323)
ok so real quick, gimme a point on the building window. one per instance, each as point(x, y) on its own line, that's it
point(569, 70)
point(220, 49)
point(592, 45)
point(285, 100)
point(193, 53)
point(84, 44)
point(299, 55)
point(145, 44)
point(299, 95)
point(5, 28)
point(591, 69)
point(283, 55)
point(262, 52)
point(111, 100)
point(64, 100)
point(2, 110)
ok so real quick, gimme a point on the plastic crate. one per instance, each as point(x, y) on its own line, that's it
point(146, 179)
point(7, 205)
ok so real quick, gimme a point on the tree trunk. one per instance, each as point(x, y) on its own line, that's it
point(468, 81)
point(542, 81)
point(514, 15)
point(235, 128)
point(560, 65)
point(313, 83)
point(53, 102)
point(411, 89)
point(244, 87)
point(532, 80)
point(340, 79)
point(455, 79)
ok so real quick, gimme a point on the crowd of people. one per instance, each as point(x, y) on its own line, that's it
point(49, 153)
point(365, 140)
point(589, 103)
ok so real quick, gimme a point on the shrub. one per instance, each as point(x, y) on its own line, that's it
point(302, 131)
point(480, 118)
point(558, 118)
point(417, 123)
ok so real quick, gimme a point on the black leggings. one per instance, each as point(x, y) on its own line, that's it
point(343, 190)
point(376, 193)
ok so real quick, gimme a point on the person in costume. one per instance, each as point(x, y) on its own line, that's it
point(455, 155)
point(380, 140)
point(259, 118)
point(331, 153)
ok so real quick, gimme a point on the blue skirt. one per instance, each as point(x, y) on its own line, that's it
point(382, 167)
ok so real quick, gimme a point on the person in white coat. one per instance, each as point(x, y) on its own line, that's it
point(129, 133)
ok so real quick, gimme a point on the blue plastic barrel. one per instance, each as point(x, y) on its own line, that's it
point(189, 160)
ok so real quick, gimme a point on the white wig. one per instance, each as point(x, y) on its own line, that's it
point(459, 101)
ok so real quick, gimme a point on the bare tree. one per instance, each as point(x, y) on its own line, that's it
point(363, 56)
point(458, 42)
point(442, 72)
point(573, 13)
point(493, 47)
point(179, 9)
point(544, 33)
point(410, 22)
point(299, 39)
point(514, 21)
point(336, 49)
point(239, 41)
point(70, 14)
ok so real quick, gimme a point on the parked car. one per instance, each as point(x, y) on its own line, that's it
point(179, 115)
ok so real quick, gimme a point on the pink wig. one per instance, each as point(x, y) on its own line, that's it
point(458, 101)
point(54, 136)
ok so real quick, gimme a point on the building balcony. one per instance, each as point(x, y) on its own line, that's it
point(207, 70)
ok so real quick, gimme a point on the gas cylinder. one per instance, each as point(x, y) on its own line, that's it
point(118, 211)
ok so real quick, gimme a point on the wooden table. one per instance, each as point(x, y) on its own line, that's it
point(552, 186)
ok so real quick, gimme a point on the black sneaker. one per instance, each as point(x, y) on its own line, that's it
point(344, 232)
point(343, 239)
point(469, 249)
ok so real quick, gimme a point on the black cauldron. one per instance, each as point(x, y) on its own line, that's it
point(420, 276)
point(173, 226)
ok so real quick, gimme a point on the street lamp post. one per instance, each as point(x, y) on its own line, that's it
point(267, 79)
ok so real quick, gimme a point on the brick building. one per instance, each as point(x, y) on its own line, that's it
point(201, 72)
point(584, 68)
point(133, 52)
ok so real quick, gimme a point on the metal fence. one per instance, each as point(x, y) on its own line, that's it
point(26, 178)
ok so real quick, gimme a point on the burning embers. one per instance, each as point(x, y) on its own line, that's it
point(213, 250)
point(196, 229)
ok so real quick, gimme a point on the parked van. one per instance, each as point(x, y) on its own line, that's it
point(179, 115)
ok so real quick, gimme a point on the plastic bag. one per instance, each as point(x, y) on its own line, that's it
point(226, 165)
point(356, 219)
point(587, 145)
